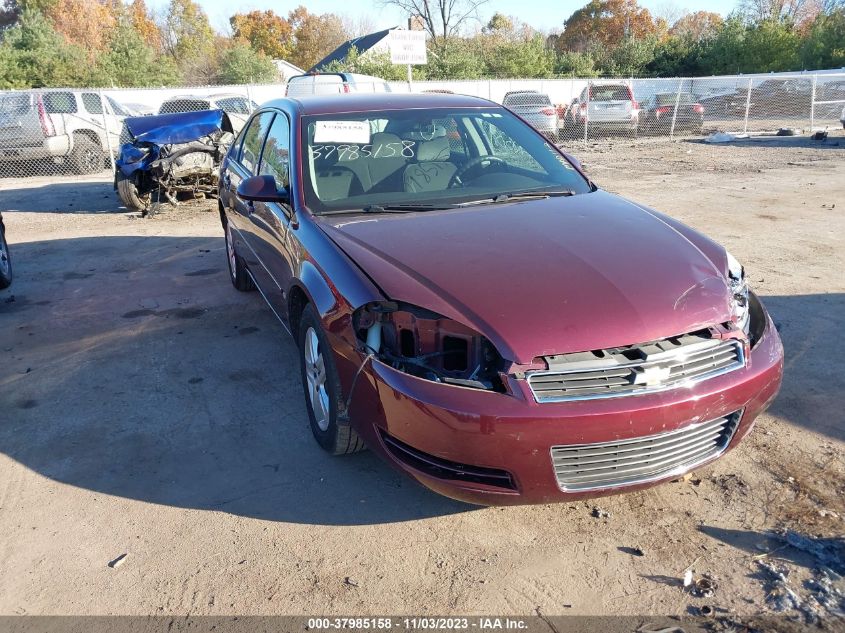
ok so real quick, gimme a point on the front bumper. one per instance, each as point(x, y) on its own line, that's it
point(510, 436)
point(52, 147)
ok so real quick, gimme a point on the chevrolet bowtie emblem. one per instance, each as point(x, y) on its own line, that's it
point(652, 376)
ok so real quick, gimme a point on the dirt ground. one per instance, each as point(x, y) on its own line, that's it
point(148, 409)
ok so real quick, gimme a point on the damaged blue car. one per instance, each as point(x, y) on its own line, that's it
point(171, 156)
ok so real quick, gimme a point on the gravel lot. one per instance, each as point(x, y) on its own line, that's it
point(148, 409)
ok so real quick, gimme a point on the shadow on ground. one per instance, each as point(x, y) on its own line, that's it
point(133, 368)
point(60, 195)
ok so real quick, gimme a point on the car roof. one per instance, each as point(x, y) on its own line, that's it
point(362, 102)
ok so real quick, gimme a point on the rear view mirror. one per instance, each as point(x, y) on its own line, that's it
point(262, 189)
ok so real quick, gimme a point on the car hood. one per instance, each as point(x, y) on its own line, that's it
point(179, 127)
point(545, 277)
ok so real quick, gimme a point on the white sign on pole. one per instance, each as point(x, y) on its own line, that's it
point(407, 47)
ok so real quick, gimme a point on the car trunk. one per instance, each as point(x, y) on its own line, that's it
point(541, 115)
point(610, 105)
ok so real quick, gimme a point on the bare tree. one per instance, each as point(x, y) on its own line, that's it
point(442, 19)
point(795, 10)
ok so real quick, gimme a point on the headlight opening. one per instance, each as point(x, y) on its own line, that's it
point(428, 345)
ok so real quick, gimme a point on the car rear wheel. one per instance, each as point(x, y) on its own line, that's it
point(322, 388)
point(86, 157)
point(237, 270)
point(127, 191)
point(5, 261)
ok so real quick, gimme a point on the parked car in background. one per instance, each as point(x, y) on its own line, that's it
point(605, 108)
point(832, 91)
point(842, 117)
point(236, 106)
point(334, 83)
point(5, 258)
point(480, 314)
point(171, 154)
point(74, 128)
point(536, 108)
point(777, 97)
point(658, 116)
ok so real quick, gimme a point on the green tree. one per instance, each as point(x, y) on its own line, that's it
point(130, 61)
point(35, 56)
point(375, 63)
point(187, 36)
point(576, 64)
point(240, 64)
point(630, 58)
point(824, 46)
point(521, 58)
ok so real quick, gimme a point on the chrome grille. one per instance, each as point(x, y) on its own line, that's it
point(666, 364)
point(626, 462)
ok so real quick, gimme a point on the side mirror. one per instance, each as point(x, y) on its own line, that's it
point(262, 189)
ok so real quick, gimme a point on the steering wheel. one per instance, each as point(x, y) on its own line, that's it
point(485, 161)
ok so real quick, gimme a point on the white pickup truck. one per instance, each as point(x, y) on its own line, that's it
point(64, 127)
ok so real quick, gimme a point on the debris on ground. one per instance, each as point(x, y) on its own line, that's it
point(351, 582)
point(830, 552)
point(687, 578)
point(705, 587)
point(600, 513)
point(117, 562)
point(779, 594)
point(724, 137)
point(820, 135)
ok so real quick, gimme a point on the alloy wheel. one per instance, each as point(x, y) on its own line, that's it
point(315, 376)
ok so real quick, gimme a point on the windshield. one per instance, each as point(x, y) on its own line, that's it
point(433, 157)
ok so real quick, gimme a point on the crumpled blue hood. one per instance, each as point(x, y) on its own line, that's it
point(181, 127)
point(151, 132)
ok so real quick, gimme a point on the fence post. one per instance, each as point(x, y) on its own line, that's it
point(108, 134)
point(748, 105)
point(249, 97)
point(587, 111)
point(675, 111)
point(813, 104)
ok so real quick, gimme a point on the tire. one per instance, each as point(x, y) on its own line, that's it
point(321, 386)
point(5, 261)
point(86, 157)
point(238, 274)
point(127, 191)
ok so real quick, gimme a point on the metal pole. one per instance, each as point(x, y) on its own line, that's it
point(108, 134)
point(410, 79)
point(587, 111)
point(249, 98)
point(813, 104)
point(675, 112)
point(747, 105)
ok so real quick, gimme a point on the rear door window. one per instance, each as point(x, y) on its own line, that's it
point(253, 139)
point(59, 102)
point(92, 103)
point(15, 104)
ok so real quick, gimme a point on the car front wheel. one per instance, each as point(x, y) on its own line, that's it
point(322, 388)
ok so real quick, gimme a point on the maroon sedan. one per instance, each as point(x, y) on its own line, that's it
point(471, 307)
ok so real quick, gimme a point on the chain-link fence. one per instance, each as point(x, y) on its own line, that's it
point(79, 131)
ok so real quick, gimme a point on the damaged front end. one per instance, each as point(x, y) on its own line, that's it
point(428, 345)
point(171, 155)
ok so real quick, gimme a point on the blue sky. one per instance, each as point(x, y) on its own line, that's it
point(541, 14)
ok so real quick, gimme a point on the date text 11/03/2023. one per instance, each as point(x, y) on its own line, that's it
point(427, 623)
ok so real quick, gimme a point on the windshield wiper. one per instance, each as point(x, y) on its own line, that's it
point(392, 208)
point(522, 195)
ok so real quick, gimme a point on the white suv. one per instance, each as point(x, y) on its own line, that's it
point(334, 83)
point(236, 106)
point(64, 126)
